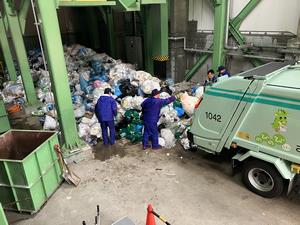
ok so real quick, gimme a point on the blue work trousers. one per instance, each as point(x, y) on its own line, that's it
point(150, 132)
point(104, 126)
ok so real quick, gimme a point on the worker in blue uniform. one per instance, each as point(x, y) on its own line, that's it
point(106, 110)
point(223, 72)
point(211, 78)
point(150, 116)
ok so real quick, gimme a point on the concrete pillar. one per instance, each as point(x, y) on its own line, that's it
point(178, 28)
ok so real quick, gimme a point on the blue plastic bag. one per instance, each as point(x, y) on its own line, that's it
point(117, 91)
point(180, 111)
point(83, 83)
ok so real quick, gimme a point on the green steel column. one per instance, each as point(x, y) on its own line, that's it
point(111, 31)
point(20, 50)
point(6, 51)
point(58, 72)
point(159, 17)
point(147, 39)
point(155, 34)
point(219, 33)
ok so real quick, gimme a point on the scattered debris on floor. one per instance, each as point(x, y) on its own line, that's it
point(89, 73)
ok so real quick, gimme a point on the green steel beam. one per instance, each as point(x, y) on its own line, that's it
point(23, 12)
point(58, 72)
point(111, 31)
point(3, 220)
point(202, 59)
point(83, 3)
point(6, 51)
point(20, 50)
point(146, 2)
point(239, 38)
point(128, 5)
point(234, 25)
point(197, 66)
point(219, 33)
point(236, 21)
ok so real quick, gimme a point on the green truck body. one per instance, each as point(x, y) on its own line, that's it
point(257, 114)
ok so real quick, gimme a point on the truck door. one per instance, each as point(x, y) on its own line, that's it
point(216, 110)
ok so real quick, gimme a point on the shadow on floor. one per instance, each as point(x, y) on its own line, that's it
point(105, 152)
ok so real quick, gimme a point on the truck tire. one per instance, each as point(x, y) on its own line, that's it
point(263, 179)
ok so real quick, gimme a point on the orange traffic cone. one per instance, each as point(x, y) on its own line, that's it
point(150, 217)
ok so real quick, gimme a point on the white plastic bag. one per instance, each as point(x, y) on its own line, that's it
point(50, 123)
point(188, 103)
point(142, 76)
point(84, 131)
point(136, 102)
point(168, 116)
point(185, 143)
point(96, 130)
point(169, 138)
point(49, 97)
point(127, 102)
point(149, 85)
point(79, 112)
point(161, 142)
point(199, 92)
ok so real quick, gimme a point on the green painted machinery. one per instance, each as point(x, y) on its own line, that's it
point(29, 169)
point(4, 122)
point(256, 115)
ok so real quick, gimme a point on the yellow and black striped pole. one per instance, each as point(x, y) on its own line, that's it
point(160, 66)
point(161, 218)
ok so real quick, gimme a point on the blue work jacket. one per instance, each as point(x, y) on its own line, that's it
point(106, 108)
point(151, 108)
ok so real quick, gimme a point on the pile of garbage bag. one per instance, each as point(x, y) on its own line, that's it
point(89, 73)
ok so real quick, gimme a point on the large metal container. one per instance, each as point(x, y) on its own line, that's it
point(3, 220)
point(29, 169)
point(4, 122)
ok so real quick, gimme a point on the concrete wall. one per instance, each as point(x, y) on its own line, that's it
point(269, 15)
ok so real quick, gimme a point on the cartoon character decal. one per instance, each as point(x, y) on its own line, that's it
point(280, 121)
point(280, 126)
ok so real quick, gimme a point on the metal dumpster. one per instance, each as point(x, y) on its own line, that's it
point(3, 220)
point(29, 169)
point(4, 122)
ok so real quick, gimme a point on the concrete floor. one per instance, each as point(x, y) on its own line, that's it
point(187, 188)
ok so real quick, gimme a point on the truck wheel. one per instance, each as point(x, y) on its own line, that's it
point(263, 179)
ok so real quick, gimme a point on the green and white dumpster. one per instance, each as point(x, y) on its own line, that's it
point(29, 169)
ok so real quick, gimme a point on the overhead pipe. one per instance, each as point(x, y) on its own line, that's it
point(203, 50)
point(228, 53)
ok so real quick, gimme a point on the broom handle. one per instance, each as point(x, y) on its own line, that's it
point(161, 218)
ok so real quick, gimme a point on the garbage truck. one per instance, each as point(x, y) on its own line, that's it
point(256, 116)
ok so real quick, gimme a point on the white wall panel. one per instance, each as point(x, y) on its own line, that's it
point(269, 15)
